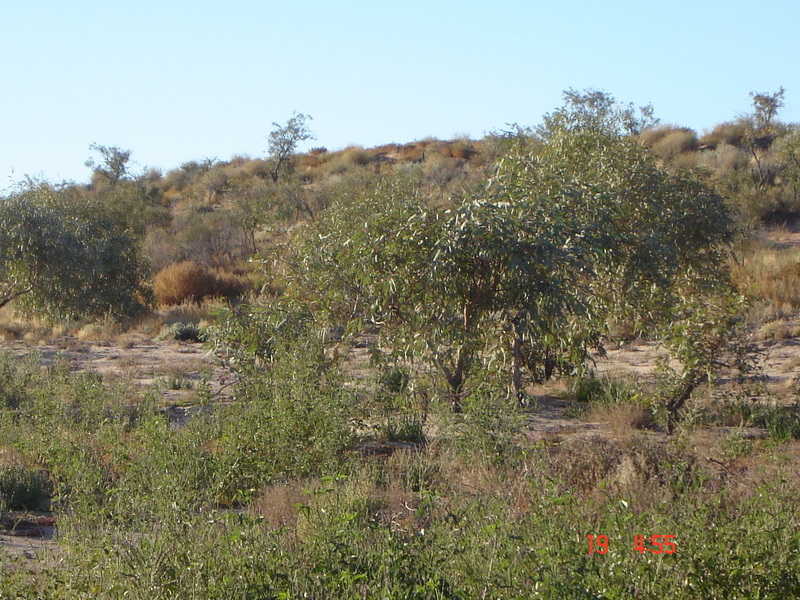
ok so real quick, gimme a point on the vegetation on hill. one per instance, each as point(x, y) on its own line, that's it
point(388, 316)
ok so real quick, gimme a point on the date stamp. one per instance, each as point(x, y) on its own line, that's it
point(656, 544)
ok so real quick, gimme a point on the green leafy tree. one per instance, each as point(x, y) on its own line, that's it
point(113, 165)
point(521, 275)
point(283, 141)
point(597, 110)
point(761, 130)
point(766, 107)
point(64, 255)
point(788, 150)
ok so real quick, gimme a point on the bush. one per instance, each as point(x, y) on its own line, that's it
point(188, 281)
point(604, 391)
point(732, 133)
point(184, 332)
point(67, 256)
point(182, 281)
point(24, 489)
point(292, 420)
point(674, 143)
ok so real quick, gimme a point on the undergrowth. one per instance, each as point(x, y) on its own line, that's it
point(271, 497)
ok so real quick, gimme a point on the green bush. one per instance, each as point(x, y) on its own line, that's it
point(22, 488)
point(782, 422)
point(16, 378)
point(66, 255)
point(605, 390)
point(291, 419)
point(184, 332)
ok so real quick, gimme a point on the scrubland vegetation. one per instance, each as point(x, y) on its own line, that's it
point(400, 322)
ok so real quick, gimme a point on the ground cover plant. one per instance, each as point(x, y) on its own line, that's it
point(144, 510)
point(412, 406)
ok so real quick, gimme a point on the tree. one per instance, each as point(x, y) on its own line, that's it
point(524, 273)
point(765, 108)
point(113, 165)
point(593, 109)
point(521, 275)
point(283, 141)
point(64, 255)
point(760, 131)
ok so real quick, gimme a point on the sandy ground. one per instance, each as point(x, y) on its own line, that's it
point(138, 359)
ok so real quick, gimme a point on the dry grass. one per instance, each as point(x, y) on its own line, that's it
point(779, 330)
point(102, 330)
point(732, 133)
point(277, 504)
point(622, 420)
point(770, 275)
point(182, 281)
point(190, 312)
point(675, 143)
point(188, 281)
point(181, 368)
point(668, 142)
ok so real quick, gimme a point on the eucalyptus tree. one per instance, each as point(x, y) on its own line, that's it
point(283, 141)
point(521, 275)
point(65, 255)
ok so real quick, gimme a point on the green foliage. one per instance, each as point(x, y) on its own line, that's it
point(283, 141)
point(183, 332)
point(113, 165)
point(605, 391)
point(489, 423)
point(138, 502)
point(781, 422)
point(705, 335)
point(292, 419)
point(22, 488)
point(67, 256)
point(522, 273)
point(593, 110)
point(765, 108)
point(16, 377)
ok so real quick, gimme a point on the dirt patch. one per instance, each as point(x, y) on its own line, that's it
point(28, 537)
point(176, 367)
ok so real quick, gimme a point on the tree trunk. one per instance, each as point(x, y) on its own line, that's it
point(516, 373)
point(11, 296)
point(678, 400)
point(455, 379)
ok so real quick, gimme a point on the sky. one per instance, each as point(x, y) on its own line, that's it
point(181, 80)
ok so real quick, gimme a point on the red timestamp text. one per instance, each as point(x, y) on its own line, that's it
point(656, 544)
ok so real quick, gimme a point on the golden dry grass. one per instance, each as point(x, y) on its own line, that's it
point(771, 275)
point(188, 281)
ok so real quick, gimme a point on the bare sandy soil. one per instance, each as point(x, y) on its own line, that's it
point(139, 360)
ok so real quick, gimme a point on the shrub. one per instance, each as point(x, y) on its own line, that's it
point(782, 422)
point(184, 332)
point(182, 281)
point(732, 133)
point(604, 391)
point(67, 256)
point(16, 379)
point(228, 285)
point(292, 419)
point(22, 488)
point(462, 148)
point(188, 281)
point(674, 143)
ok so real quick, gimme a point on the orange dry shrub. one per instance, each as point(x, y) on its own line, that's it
point(182, 281)
point(229, 285)
point(188, 281)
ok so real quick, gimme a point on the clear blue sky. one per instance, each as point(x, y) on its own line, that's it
point(176, 80)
